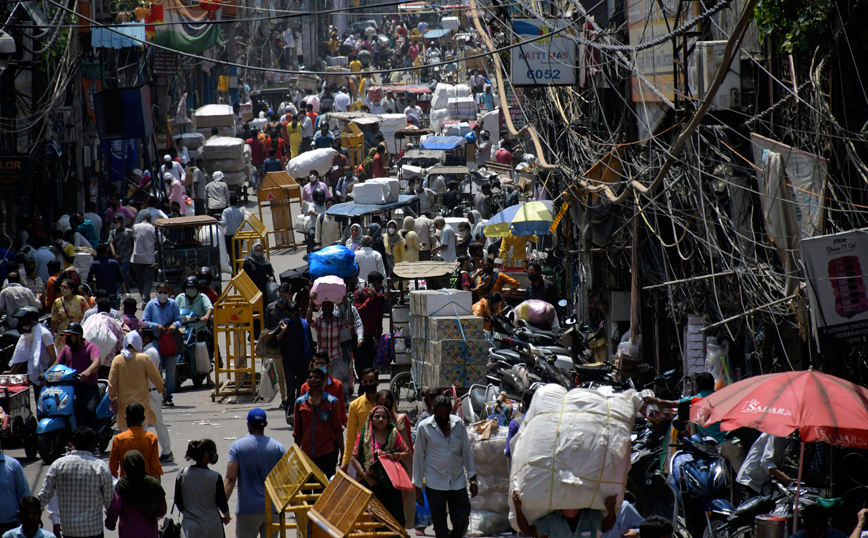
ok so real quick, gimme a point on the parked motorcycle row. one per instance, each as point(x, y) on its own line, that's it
point(686, 480)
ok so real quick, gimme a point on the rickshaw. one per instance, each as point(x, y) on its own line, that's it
point(409, 136)
point(185, 244)
point(271, 98)
point(454, 146)
point(422, 94)
point(16, 419)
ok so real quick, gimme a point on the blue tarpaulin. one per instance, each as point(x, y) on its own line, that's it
point(437, 34)
point(445, 143)
point(352, 209)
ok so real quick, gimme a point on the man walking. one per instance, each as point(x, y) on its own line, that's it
point(368, 259)
point(144, 252)
point(150, 349)
point(250, 460)
point(84, 487)
point(13, 487)
point(121, 241)
point(135, 438)
point(427, 236)
point(163, 315)
point(217, 195)
point(441, 457)
point(231, 220)
point(15, 296)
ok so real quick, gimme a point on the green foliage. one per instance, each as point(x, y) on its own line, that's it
point(792, 24)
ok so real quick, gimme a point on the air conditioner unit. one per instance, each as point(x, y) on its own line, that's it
point(703, 65)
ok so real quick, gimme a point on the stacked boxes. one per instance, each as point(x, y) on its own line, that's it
point(448, 344)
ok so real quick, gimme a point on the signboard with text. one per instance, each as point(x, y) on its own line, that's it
point(835, 266)
point(546, 62)
point(15, 176)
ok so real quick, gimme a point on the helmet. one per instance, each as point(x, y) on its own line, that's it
point(74, 328)
point(26, 317)
point(205, 275)
point(191, 282)
point(319, 196)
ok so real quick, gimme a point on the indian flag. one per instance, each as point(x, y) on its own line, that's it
point(189, 29)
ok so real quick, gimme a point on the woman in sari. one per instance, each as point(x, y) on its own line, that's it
point(379, 436)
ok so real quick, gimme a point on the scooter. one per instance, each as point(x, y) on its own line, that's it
point(701, 480)
point(55, 409)
point(190, 338)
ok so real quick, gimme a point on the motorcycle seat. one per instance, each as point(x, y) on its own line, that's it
point(591, 369)
point(103, 388)
point(557, 350)
point(509, 354)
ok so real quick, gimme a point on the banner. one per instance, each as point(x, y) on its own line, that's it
point(190, 30)
point(122, 156)
point(835, 266)
point(90, 88)
point(545, 62)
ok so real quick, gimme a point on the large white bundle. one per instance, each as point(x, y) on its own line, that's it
point(461, 108)
point(436, 118)
point(222, 147)
point(389, 123)
point(225, 165)
point(223, 130)
point(258, 123)
point(573, 450)
point(450, 23)
point(441, 95)
point(318, 159)
point(236, 178)
point(462, 90)
point(391, 187)
point(213, 116)
point(191, 140)
point(375, 191)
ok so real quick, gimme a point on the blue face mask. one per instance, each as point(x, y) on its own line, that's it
point(283, 301)
point(323, 369)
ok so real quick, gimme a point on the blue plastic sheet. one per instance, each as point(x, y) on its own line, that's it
point(336, 260)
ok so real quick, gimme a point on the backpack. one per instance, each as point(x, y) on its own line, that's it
point(455, 280)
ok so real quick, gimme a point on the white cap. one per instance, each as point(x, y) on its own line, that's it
point(167, 158)
point(217, 176)
point(137, 172)
point(168, 176)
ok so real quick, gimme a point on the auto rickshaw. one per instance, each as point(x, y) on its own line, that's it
point(184, 244)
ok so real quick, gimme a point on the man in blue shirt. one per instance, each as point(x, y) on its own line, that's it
point(251, 458)
point(105, 274)
point(13, 487)
point(272, 163)
point(163, 315)
point(30, 514)
point(231, 220)
point(567, 523)
point(323, 139)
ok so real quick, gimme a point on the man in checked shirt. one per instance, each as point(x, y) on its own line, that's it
point(83, 484)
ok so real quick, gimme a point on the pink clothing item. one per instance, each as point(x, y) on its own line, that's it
point(307, 192)
point(176, 194)
point(122, 210)
point(133, 524)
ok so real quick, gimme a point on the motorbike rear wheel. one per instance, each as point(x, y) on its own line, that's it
point(406, 395)
point(51, 445)
point(29, 440)
point(104, 436)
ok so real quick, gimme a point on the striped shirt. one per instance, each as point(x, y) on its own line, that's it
point(83, 484)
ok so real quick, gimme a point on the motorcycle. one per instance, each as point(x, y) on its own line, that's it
point(55, 409)
point(191, 337)
point(729, 523)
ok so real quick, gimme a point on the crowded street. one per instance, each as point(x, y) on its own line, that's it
point(397, 268)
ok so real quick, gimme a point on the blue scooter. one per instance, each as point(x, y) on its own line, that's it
point(55, 409)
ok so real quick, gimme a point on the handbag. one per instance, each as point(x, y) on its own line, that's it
point(385, 351)
point(170, 528)
point(168, 347)
point(396, 473)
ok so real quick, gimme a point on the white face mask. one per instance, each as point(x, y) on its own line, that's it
point(391, 229)
point(162, 297)
point(117, 225)
point(191, 292)
point(314, 179)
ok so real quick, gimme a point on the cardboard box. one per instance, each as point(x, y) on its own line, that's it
point(441, 303)
point(456, 352)
point(455, 328)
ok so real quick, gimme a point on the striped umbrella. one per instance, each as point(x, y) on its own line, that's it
point(530, 218)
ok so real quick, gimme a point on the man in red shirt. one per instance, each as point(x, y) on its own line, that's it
point(370, 303)
point(339, 164)
point(257, 152)
point(379, 162)
point(503, 155)
point(317, 429)
point(311, 114)
point(332, 386)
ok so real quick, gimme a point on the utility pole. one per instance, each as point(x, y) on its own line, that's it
point(634, 270)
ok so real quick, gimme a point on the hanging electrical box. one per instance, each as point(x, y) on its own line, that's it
point(703, 65)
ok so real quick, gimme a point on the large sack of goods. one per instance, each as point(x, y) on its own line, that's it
point(225, 130)
point(489, 514)
point(335, 260)
point(191, 140)
point(442, 93)
point(462, 90)
point(461, 108)
point(389, 123)
point(572, 450)
point(237, 178)
point(223, 148)
point(450, 23)
point(226, 165)
point(377, 191)
point(536, 312)
point(213, 116)
point(318, 159)
point(436, 118)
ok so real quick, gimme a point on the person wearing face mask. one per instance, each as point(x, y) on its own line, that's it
point(259, 269)
point(317, 429)
point(35, 348)
point(83, 357)
point(492, 282)
point(370, 303)
point(358, 412)
point(15, 296)
point(150, 349)
point(394, 244)
point(313, 185)
point(354, 242)
point(68, 308)
point(296, 330)
point(163, 315)
point(330, 385)
point(199, 493)
point(115, 209)
point(328, 230)
point(441, 459)
point(199, 304)
point(540, 288)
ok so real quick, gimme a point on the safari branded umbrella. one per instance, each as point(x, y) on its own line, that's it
point(820, 406)
point(530, 218)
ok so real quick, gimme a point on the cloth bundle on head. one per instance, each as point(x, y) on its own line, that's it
point(137, 488)
point(133, 339)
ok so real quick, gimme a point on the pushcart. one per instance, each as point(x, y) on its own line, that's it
point(17, 422)
point(185, 244)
